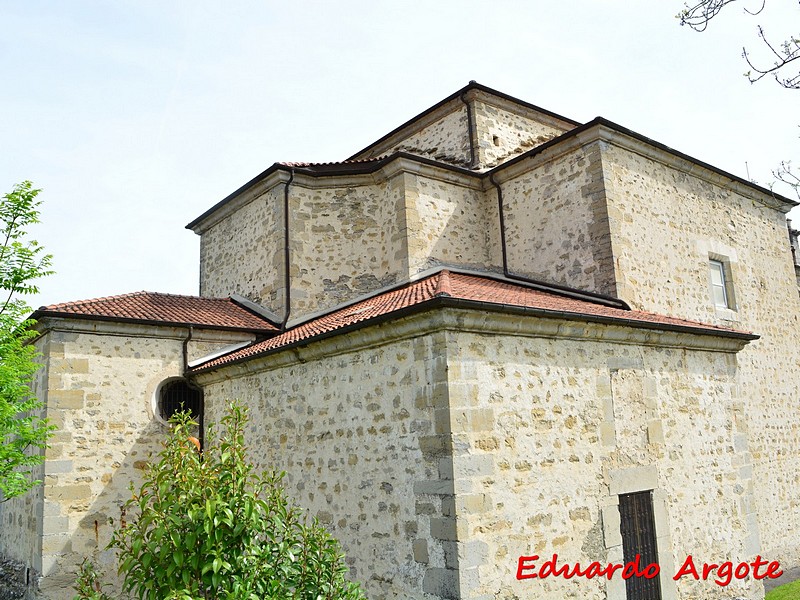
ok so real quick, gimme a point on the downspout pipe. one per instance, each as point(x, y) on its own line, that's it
point(470, 128)
point(286, 275)
point(186, 349)
point(201, 416)
point(502, 218)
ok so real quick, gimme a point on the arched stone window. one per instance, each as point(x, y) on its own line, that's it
point(175, 395)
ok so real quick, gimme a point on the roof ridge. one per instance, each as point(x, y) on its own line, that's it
point(138, 294)
point(443, 284)
point(470, 292)
point(304, 164)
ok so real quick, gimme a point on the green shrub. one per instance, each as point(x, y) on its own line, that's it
point(205, 526)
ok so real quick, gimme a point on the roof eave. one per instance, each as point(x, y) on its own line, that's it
point(472, 85)
point(331, 170)
point(40, 314)
point(600, 122)
point(443, 301)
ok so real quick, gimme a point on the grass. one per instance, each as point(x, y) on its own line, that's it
point(790, 591)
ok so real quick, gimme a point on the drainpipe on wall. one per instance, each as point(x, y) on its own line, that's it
point(286, 275)
point(470, 129)
point(201, 416)
point(502, 217)
point(186, 350)
point(506, 273)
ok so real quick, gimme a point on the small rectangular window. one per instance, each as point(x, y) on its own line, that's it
point(720, 281)
point(719, 289)
point(638, 529)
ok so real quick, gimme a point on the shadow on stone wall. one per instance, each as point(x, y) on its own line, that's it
point(92, 520)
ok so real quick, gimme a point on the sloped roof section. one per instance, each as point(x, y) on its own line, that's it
point(162, 309)
point(447, 288)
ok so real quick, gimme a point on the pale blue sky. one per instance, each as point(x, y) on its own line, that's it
point(137, 116)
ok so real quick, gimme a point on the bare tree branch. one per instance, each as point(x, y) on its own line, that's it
point(785, 174)
point(789, 51)
point(698, 16)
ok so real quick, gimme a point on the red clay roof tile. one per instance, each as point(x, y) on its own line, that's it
point(169, 309)
point(458, 286)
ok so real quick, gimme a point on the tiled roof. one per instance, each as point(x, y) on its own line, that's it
point(336, 163)
point(466, 288)
point(167, 309)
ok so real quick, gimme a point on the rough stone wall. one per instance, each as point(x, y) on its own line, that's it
point(353, 432)
point(666, 224)
point(450, 224)
point(345, 242)
point(439, 458)
point(243, 253)
point(446, 139)
point(502, 134)
point(557, 223)
point(99, 392)
point(540, 425)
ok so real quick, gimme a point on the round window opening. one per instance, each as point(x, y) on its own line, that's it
point(179, 395)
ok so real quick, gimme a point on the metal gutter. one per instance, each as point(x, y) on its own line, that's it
point(334, 169)
point(287, 277)
point(68, 315)
point(255, 308)
point(600, 121)
point(471, 129)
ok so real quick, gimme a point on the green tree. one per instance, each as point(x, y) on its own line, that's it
point(206, 526)
point(22, 261)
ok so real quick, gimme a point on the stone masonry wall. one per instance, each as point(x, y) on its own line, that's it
point(350, 240)
point(546, 422)
point(100, 387)
point(345, 242)
point(446, 140)
point(438, 459)
point(666, 225)
point(501, 131)
point(557, 224)
point(450, 224)
point(352, 431)
point(243, 253)
point(503, 134)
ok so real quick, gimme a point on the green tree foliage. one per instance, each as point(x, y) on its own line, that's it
point(88, 585)
point(206, 526)
point(22, 261)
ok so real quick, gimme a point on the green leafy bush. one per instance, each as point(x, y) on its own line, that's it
point(23, 434)
point(205, 526)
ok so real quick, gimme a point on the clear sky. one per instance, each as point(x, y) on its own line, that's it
point(136, 116)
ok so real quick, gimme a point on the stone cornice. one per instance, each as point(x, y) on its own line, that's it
point(443, 315)
point(602, 131)
point(136, 330)
point(393, 166)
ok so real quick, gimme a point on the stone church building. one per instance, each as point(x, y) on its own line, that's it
point(494, 333)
